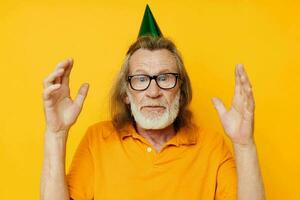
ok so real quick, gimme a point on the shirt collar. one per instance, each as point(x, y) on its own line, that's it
point(184, 136)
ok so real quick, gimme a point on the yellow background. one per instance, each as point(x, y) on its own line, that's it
point(212, 36)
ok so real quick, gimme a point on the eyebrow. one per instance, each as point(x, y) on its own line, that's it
point(144, 72)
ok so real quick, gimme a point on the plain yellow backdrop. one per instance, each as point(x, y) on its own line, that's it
point(212, 35)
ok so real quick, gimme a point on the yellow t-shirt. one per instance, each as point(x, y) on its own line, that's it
point(195, 164)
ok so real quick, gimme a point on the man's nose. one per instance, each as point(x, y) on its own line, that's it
point(153, 90)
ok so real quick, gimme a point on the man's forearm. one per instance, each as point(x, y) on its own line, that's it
point(53, 179)
point(250, 183)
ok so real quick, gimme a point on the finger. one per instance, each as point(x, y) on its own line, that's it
point(81, 95)
point(239, 96)
point(219, 106)
point(63, 65)
point(238, 84)
point(54, 75)
point(238, 102)
point(65, 78)
point(49, 91)
point(250, 102)
point(247, 89)
point(246, 85)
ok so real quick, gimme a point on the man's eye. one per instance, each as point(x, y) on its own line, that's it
point(142, 78)
point(162, 78)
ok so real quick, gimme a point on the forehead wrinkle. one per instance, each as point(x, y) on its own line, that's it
point(165, 66)
point(152, 61)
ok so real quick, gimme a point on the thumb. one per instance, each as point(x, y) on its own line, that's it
point(219, 106)
point(82, 93)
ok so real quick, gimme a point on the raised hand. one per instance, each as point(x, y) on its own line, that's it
point(60, 110)
point(238, 121)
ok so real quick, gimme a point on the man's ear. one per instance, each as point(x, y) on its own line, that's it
point(126, 99)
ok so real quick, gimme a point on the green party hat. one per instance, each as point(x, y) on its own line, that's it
point(149, 25)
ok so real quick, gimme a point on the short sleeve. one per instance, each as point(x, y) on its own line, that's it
point(226, 176)
point(80, 178)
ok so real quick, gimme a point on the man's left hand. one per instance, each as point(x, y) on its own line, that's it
point(238, 121)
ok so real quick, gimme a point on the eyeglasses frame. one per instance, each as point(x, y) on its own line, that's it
point(177, 76)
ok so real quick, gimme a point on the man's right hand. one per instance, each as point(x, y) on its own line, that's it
point(61, 111)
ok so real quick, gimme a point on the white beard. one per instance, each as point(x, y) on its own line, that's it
point(153, 119)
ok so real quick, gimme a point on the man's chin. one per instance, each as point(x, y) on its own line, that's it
point(155, 122)
point(153, 115)
point(154, 125)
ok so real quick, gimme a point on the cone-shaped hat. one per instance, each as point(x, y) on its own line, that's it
point(149, 25)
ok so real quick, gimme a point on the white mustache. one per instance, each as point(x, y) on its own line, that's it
point(147, 104)
point(153, 105)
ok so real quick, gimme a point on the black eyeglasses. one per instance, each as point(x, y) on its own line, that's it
point(141, 82)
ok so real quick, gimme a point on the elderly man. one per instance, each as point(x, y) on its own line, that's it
point(151, 149)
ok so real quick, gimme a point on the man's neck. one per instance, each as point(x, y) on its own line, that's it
point(157, 137)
